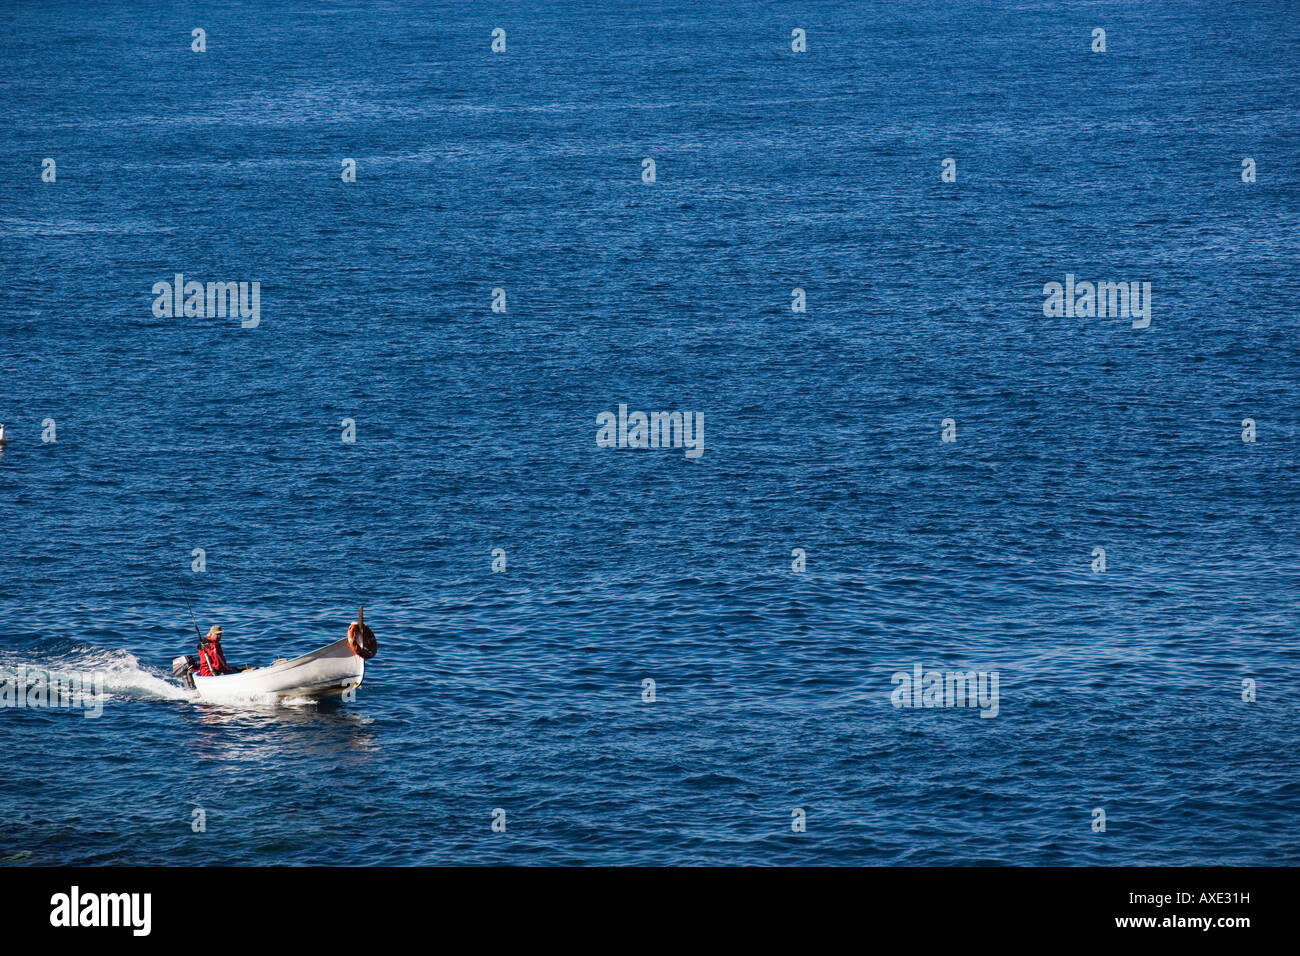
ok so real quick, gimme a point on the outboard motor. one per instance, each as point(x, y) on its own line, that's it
point(183, 669)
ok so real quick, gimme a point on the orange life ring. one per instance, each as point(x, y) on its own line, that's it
point(362, 640)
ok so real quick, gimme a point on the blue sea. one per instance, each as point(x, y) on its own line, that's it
point(827, 540)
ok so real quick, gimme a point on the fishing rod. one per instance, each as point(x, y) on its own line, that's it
point(186, 596)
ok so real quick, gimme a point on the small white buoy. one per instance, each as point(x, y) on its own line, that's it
point(2, 433)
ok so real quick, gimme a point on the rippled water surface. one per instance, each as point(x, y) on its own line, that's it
point(475, 430)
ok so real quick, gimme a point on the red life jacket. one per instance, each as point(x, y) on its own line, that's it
point(211, 661)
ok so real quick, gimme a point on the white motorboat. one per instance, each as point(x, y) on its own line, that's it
point(331, 671)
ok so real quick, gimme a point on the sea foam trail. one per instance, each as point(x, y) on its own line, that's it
point(116, 674)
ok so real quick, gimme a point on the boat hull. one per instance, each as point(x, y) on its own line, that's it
point(329, 672)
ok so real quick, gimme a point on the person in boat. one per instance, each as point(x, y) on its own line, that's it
point(212, 662)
